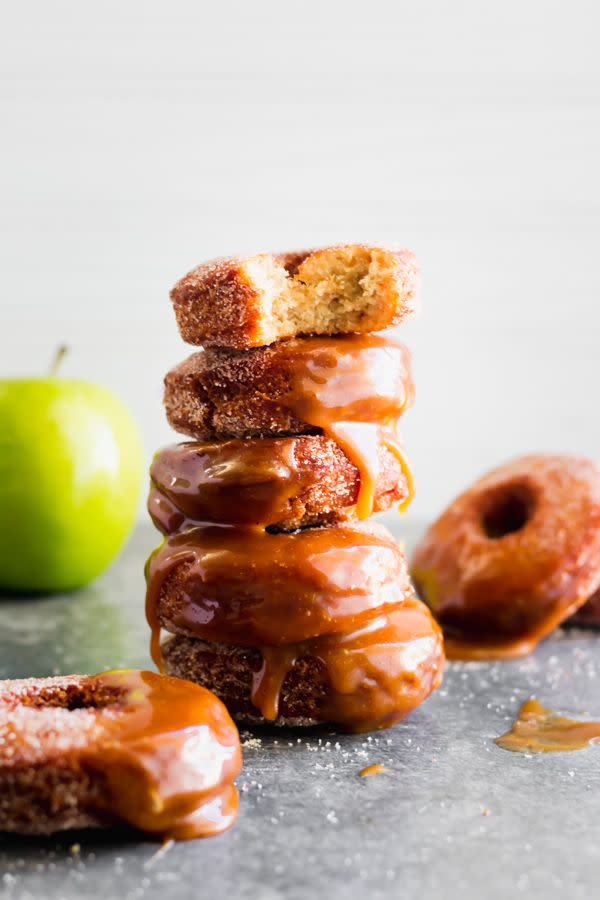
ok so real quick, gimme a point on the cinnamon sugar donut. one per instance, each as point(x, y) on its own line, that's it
point(366, 679)
point(129, 747)
point(513, 556)
point(244, 586)
point(252, 301)
point(284, 483)
point(271, 391)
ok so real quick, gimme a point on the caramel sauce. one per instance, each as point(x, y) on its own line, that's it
point(484, 641)
point(168, 752)
point(395, 447)
point(348, 386)
point(541, 730)
point(470, 650)
point(473, 647)
point(373, 769)
point(376, 674)
point(268, 681)
point(481, 646)
point(242, 482)
point(247, 586)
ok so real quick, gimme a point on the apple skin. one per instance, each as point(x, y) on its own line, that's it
point(70, 478)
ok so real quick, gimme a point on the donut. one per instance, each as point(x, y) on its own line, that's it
point(251, 301)
point(124, 747)
point(281, 483)
point(360, 681)
point(349, 388)
point(290, 388)
point(246, 586)
point(513, 556)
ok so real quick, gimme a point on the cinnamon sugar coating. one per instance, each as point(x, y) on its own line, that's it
point(228, 669)
point(46, 724)
point(219, 393)
point(253, 301)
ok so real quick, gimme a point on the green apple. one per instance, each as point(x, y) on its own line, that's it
point(70, 477)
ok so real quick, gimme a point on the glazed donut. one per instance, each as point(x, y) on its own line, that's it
point(254, 300)
point(289, 387)
point(513, 556)
point(284, 483)
point(246, 586)
point(129, 747)
point(365, 679)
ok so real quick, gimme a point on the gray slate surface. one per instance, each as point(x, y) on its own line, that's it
point(455, 816)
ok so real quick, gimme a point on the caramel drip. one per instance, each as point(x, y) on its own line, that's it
point(168, 752)
point(246, 586)
point(392, 443)
point(358, 440)
point(268, 681)
point(253, 481)
point(376, 674)
point(373, 769)
point(348, 387)
point(541, 730)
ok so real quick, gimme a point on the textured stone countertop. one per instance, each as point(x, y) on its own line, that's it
point(453, 816)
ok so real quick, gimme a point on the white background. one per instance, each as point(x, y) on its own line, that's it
point(139, 138)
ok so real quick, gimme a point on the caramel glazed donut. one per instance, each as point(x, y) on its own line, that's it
point(320, 625)
point(128, 747)
point(514, 556)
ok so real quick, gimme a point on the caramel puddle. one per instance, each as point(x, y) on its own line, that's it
point(373, 769)
point(541, 730)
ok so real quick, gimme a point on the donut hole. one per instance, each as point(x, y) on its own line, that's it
point(73, 696)
point(507, 511)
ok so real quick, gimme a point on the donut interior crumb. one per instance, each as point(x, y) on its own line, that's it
point(330, 291)
point(85, 694)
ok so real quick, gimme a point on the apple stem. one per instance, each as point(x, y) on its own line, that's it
point(60, 354)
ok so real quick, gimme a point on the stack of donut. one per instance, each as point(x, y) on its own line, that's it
point(277, 590)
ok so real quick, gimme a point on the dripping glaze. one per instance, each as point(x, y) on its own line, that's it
point(168, 752)
point(246, 586)
point(347, 387)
